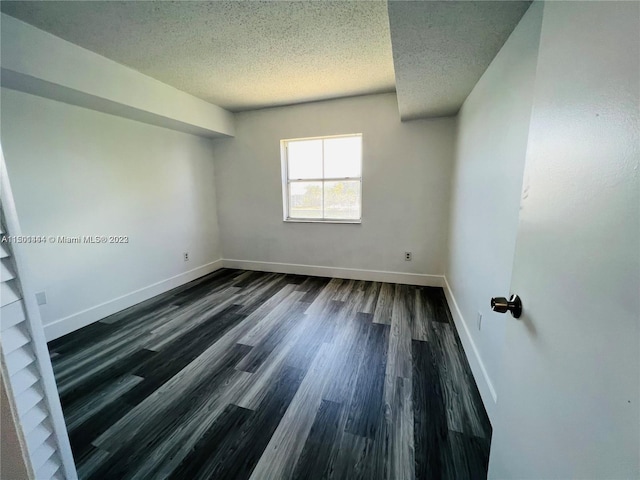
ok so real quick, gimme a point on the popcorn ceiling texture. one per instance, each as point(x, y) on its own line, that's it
point(245, 55)
point(441, 49)
point(238, 55)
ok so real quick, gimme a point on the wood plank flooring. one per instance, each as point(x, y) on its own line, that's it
point(250, 375)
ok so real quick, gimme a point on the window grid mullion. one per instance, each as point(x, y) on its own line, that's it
point(286, 170)
point(332, 179)
point(322, 195)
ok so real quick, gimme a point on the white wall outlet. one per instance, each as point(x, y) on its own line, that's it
point(479, 320)
point(407, 256)
point(41, 298)
point(185, 255)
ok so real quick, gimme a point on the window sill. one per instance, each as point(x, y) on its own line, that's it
point(310, 220)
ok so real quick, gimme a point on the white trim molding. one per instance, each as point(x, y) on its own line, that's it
point(73, 322)
point(480, 374)
point(337, 272)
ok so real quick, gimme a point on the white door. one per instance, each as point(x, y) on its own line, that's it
point(568, 400)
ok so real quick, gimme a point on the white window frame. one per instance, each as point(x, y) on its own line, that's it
point(286, 181)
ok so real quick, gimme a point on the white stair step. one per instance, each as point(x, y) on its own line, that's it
point(4, 250)
point(11, 315)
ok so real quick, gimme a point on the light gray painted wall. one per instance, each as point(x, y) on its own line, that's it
point(406, 181)
point(79, 172)
point(493, 127)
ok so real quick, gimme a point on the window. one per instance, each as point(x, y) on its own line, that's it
point(322, 179)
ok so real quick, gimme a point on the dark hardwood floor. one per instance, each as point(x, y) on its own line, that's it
point(271, 376)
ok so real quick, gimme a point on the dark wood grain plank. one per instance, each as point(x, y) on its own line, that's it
point(283, 451)
point(318, 329)
point(82, 436)
point(143, 438)
point(296, 279)
point(213, 449)
point(366, 406)
point(99, 378)
point(89, 460)
point(401, 443)
point(262, 425)
point(260, 295)
point(399, 355)
point(372, 290)
point(325, 297)
point(282, 312)
point(437, 304)
point(283, 322)
point(351, 458)
point(352, 347)
point(424, 315)
point(315, 459)
point(465, 414)
point(430, 421)
point(81, 339)
point(466, 456)
point(161, 412)
point(313, 288)
point(384, 305)
point(83, 408)
point(344, 291)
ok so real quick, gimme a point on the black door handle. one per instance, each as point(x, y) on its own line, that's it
point(502, 305)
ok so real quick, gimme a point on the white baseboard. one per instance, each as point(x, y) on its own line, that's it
point(485, 385)
point(336, 272)
point(81, 319)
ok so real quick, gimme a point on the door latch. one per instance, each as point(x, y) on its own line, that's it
point(502, 305)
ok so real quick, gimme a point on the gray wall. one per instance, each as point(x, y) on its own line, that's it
point(493, 127)
point(406, 179)
point(79, 172)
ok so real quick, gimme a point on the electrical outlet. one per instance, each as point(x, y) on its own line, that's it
point(407, 256)
point(479, 320)
point(186, 256)
point(41, 298)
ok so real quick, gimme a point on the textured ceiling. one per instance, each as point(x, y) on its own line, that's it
point(442, 48)
point(243, 55)
point(238, 55)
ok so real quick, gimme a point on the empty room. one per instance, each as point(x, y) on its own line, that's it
point(276, 240)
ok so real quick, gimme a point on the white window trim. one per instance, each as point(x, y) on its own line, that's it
point(286, 181)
